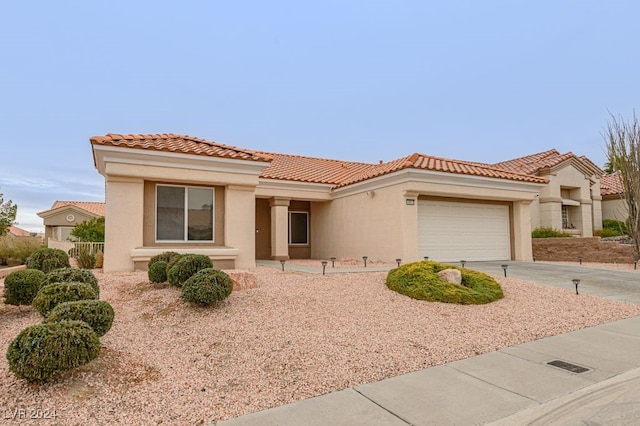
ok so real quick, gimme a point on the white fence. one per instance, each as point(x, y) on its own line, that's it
point(73, 248)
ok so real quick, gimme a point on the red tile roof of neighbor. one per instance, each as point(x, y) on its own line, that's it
point(170, 142)
point(309, 169)
point(95, 208)
point(19, 232)
point(611, 184)
point(532, 164)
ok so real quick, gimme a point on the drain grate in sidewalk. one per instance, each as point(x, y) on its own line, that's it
point(568, 366)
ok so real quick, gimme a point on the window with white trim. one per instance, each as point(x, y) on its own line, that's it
point(184, 213)
point(299, 228)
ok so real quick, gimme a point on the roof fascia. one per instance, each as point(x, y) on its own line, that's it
point(315, 190)
point(143, 157)
point(429, 176)
point(52, 212)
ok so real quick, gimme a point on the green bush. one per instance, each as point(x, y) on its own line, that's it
point(548, 232)
point(52, 295)
point(85, 258)
point(420, 280)
point(166, 256)
point(21, 287)
point(615, 225)
point(186, 266)
point(44, 350)
point(607, 232)
point(157, 272)
point(207, 286)
point(66, 275)
point(48, 259)
point(173, 260)
point(97, 313)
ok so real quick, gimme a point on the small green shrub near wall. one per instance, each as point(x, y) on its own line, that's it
point(73, 275)
point(97, 313)
point(207, 286)
point(44, 350)
point(48, 259)
point(157, 272)
point(166, 256)
point(611, 226)
point(548, 232)
point(420, 280)
point(52, 295)
point(21, 287)
point(186, 266)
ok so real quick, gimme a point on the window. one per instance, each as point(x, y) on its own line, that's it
point(565, 217)
point(184, 213)
point(298, 228)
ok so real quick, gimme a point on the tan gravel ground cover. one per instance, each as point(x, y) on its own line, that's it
point(296, 336)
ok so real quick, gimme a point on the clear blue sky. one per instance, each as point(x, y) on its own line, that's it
point(355, 80)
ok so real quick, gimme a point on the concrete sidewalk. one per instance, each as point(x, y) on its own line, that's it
point(596, 382)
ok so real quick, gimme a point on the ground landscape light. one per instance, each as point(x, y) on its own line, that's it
point(580, 259)
point(463, 262)
point(333, 262)
point(504, 268)
point(282, 263)
point(398, 261)
point(324, 265)
point(365, 260)
point(576, 281)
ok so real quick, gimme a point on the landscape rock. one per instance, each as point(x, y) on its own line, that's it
point(453, 276)
point(243, 280)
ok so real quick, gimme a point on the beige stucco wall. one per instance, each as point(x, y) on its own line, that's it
point(383, 227)
point(125, 213)
point(614, 208)
point(549, 203)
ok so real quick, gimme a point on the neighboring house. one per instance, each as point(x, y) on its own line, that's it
point(170, 192)
point(15, 232)
point(571, 201)
point(614, 205)
point(63, 216)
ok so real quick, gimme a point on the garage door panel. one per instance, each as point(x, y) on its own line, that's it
point(451, 231)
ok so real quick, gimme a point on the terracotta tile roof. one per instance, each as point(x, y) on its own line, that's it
point(19, 232)
point(95, 208)
point(170, 142)
point(534, 163)
point(309, 169)
point(437, 164)
point(611, 184)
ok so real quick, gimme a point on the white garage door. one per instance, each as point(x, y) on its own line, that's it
point(450, 231)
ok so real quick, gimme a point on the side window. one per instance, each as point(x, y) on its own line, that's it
point(299, 228)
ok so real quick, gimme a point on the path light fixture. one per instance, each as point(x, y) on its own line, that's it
point(365, 260)
point(398, 262)
point(282, 263)
point(534, 258)
point(580, 259)
point(576, 282)
point(635, 264)
point(333, 262)
point(324, 265)
point(426, 258)
point(504, 268)
point(463, 262)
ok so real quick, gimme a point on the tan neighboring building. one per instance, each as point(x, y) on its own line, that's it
point(613, 204)
point(180, 193)
point(63, 216)
point(571, 201)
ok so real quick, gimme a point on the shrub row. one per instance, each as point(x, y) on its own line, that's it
point(73, 321)
point(48, 259)
point(200, 282)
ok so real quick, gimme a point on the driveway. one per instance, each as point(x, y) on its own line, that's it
point(608, 283)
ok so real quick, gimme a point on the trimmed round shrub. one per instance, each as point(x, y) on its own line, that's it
point(21, 287)
point(166, 256)
point(52, 295)
point(97, 313)
point(44, 350)
point(207, 286)
point(186, 266)
point(65, 275)
point(173, 260)
point(420, 280)
point(48, 259)
point(158, 272)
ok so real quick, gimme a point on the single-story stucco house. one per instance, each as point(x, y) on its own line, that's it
point(614, 205)
point(172, 192)
point(63, 216)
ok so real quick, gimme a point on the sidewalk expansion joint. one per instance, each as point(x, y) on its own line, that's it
point(384, 408)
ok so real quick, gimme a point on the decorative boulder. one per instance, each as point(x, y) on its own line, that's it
point(452, 276)
point(243, 280)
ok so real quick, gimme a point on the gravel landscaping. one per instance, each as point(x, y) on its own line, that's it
point(295, 336)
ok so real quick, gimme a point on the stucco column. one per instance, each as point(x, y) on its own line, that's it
point(279, 228)
point(239, 224)
point(124, 213)
point(551, 213)
point(522, 245)
point(586, 218)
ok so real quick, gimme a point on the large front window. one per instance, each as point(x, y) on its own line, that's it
point(184, 213)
